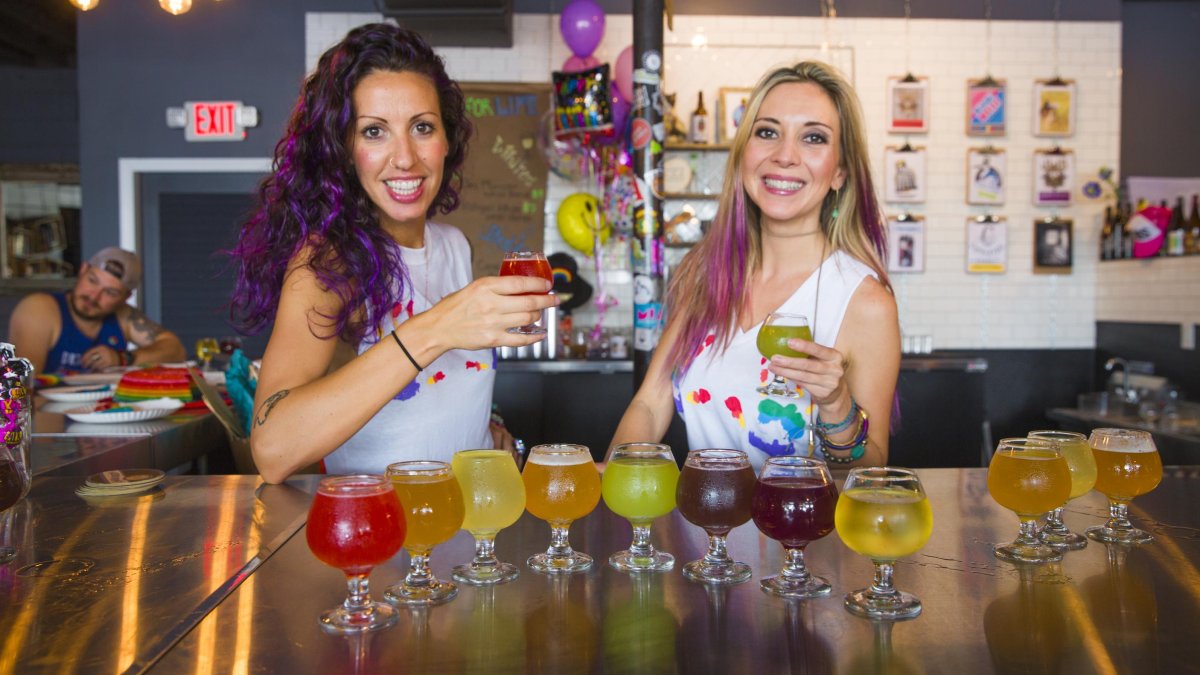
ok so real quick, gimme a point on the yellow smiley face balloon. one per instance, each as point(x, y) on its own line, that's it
point(579, 218)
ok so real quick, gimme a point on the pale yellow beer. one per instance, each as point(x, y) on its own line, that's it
point(1029, 481)
point(1121, 475)
point(1080, 460)
point(433, 509)
point(883, 523)
point(561, 487)
point(493, 494)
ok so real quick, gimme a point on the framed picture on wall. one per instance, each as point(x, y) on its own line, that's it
point(908, 105)
point(731, 105)
point(987, 245)
point(904, 174)
point(987, 175)
point(986, 107)
point(1053, 177)
point(1054, 107)
point(1052, 246)
point(906, 243)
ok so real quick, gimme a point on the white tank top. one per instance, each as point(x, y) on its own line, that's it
point(447, 407)
point(717, 398)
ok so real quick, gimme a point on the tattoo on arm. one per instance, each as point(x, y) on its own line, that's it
point(268, 406)
point(144, 326)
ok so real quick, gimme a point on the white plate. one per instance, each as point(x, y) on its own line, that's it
point(93, 392)
point(93, 378)
point(142, 411)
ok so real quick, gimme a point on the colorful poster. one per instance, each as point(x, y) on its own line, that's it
point(986, 107)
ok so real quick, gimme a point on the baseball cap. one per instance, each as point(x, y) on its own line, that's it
point(122, 264)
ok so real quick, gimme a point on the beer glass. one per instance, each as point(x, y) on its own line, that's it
point(794, 504)
point(433, 512)
point(777, 329)
point(715, 491)
point(562, 485)
point(206, 349)
point(1029, 477)
point(1127, 465)
point(883, 513)
point(526, 264)
point(494, 498)
point(639, 485)
point(355, 523)
point(1082, 464)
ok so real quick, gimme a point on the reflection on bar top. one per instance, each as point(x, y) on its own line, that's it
point(923, 363)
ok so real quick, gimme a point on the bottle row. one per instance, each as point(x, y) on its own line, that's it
point(1150, 231)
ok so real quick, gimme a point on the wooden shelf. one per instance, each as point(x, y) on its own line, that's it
point(688, 195)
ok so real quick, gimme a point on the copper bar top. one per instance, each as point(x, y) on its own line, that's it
point(1103, 609)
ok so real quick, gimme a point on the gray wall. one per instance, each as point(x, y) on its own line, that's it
point(39, 116)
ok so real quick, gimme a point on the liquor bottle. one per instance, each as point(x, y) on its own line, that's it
point(699, 127)
point(1191, 241)
point(1127, 232)
point(1118, 233)
point(1176, 230)
point(1106, 235)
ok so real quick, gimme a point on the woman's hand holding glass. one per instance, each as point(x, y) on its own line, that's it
point(355, 523)
point(639, 485)
point(479, 315)
point(494, 498)
point(777, 329)
point(562, 485)
point(527, 264)
point(1127, 465)
point(433, 506)
point(1030, 477)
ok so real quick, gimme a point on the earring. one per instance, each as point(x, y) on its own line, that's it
point(834, 214)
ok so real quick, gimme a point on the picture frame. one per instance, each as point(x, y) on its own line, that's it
point(987, 107)
point(908, 105)
point(904, 174)
point(906, 244)
point(731, 103)
point(987, 245)
point(1053, 246)
point(987, 176)
point(1053, 177)
point(1054, 107)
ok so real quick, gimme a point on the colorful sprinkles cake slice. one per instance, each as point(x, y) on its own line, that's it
point(155, 382)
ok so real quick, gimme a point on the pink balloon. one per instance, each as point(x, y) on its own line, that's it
point(623, 73)
point(582, 26)
point(578, 64)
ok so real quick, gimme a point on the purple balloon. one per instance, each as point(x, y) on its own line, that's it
point(620, 119)
point(582, 26)
point(577, 64)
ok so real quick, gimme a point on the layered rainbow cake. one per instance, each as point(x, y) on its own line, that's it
point(156, 382)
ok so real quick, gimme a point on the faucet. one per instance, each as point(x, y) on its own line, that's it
point(1126, 393)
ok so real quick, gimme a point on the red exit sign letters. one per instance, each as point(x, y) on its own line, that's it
point(213, 120)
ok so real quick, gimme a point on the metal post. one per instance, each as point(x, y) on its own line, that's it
point(647, 136)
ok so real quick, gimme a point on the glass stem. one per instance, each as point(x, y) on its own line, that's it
point(418, 573)
point(358, 595)
point(485, 551)
point(882, 585)
point(717, 552)
point(560, 545)
point(1054, 521)
point(1028, 534)
point(794, 569)
point(641, 547)
point(1118, 516)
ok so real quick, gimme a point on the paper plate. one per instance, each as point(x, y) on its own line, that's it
point(77, 394)
point(93, 378)
point(134, 412)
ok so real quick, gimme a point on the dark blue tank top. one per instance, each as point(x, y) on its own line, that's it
point(65, 355)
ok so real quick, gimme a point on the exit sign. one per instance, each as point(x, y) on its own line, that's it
point(213, 120)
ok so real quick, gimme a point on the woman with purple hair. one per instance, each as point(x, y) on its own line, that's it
point(798, 230)
point(381, 345)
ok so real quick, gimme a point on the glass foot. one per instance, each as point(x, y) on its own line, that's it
point(560, 564)
point(626, 561)
point(896, 606)
point(374, 616)
point(1119, 535)
point(812, 587)
point(500, 573)
point(430, 594)
point(1027, 553)
point(723, 573)
point(531, 329)
point(780, 390)
point(1062, 540)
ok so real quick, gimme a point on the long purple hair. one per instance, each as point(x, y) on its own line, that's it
point(314, 199)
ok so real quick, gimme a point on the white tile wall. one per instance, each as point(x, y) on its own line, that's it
point(1017, 309)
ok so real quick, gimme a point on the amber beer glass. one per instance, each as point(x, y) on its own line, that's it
point(1127, 465)
point(562, 485)
point(1029, 477)
point(526, 264)
point(433, 511)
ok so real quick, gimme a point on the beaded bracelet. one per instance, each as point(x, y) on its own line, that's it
point(859, 451)
point(844, 424)
point(859, 437)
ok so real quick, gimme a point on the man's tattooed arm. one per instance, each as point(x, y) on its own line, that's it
point(268, 406)
point(144, 327)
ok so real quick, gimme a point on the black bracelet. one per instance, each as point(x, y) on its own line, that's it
point(405, 350)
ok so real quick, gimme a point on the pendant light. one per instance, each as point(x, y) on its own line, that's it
point(85, 5)
point(175, 7)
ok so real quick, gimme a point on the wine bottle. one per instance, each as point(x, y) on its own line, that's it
point(1191, 240)
point(699, 127)
point(1175, 230)
point(1106, 235)
point(1127, 233)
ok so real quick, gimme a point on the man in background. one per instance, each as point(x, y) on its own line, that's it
point(90, 327)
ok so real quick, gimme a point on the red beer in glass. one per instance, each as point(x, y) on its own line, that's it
point(526, 264)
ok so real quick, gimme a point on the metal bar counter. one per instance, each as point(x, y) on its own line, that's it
point(925, 363)
point(108, 584)
point(1103, 609)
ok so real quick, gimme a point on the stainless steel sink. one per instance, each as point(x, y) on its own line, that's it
point(1105, 404)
